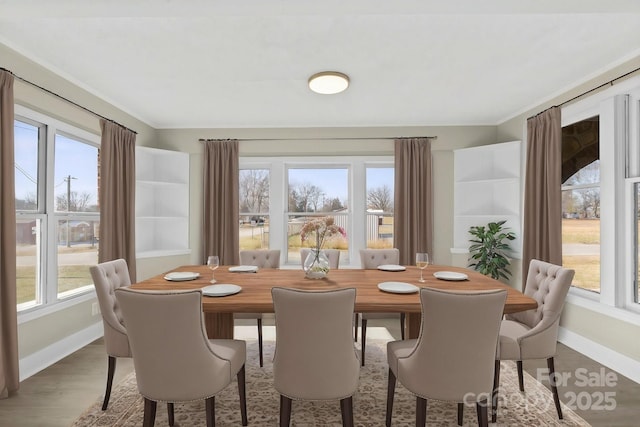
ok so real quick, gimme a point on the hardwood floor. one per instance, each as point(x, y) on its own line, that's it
point(59, 394)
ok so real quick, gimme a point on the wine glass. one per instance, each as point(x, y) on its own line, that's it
point(213, 262)
point(422, 261)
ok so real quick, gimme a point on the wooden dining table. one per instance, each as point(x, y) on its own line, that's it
point(255, 296)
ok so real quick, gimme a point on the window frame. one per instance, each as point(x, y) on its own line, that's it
point(278, 195)
point(47, 286)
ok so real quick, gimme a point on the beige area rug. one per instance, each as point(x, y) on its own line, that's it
point(533, 408)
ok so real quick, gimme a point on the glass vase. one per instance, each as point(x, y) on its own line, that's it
point(316, 266)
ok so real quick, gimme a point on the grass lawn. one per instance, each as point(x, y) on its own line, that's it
point(587, 267)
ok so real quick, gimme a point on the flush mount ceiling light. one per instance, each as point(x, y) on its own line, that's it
point(328, 82)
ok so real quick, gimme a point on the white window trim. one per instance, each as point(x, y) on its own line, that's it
point(616, 245)
point(51, 302)
point(278, 202)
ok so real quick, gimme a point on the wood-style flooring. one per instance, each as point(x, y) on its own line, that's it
point(56, 396)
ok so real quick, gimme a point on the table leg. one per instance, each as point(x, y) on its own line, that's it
point(413, 325)
point(219, 325)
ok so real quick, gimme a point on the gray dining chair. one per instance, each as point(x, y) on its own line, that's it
point(107, 277)
point(173, 359)
point(533, 334)
point(261, 258)
point(370, 259)
point(315, 358)
point(465, 344)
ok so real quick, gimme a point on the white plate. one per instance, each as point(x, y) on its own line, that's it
point(220, 290)
point(243, 269)
point(181, 276)
point(450, 275)
point(391, 267)
point(398, 287)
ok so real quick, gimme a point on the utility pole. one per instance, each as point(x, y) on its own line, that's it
point(68, 179)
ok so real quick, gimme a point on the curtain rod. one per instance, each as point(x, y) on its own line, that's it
point(314, 139)
point(66, 99)
point(609, 83)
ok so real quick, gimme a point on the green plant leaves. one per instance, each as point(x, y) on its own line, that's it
point(488, 249)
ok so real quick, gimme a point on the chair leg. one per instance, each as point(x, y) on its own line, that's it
point(285, 411)
point(210, 405)
point(460, 413)
point(149, 413)
point(554, 387)
point(494, 395)
point(421, 412)
point(391, 389)
point(243, 395)
point(111, 362)
point(346, 408)
point(364, 340)
point(520, 375)
point(260, 340)
point(355, 333)
point(402, 317)
point(483, 416)
point(170, 414)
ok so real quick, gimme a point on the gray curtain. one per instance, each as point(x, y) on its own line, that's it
point(9, 375)
point(413, 213)
point(220, 214)
point(117, 192)
point(542, 232)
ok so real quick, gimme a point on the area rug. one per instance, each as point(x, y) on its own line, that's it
point(533, 408)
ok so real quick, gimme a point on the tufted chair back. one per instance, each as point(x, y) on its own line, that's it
point(107, 277)
point(371, 258)
point(262, 258)
point(548, 284)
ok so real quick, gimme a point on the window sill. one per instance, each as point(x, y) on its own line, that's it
point(591, 302)
point(44, 310)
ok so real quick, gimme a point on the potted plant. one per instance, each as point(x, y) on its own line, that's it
point(488, 251)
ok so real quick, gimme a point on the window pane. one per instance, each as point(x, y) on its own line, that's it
point(76, 176)
point(77, 251)
point(254, 208)
point(26, 165)
point(314, 191)
point(28, 257)
point(581, 236)
point(637, 241)
point(380, 196)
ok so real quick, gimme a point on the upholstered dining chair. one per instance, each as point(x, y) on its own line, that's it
point(533, 334)
point(315, 358)
point(261, 258)
point(107, 277)
point(370, 259)
point(466, 344)
point(173, 359)
point(332, 254)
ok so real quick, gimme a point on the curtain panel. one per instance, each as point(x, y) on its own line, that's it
point(9, 375)
point(542, 232)
point(117, 192)
point(221, 211)
point(413, 200)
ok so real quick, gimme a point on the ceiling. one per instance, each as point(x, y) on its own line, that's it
point(237, 64)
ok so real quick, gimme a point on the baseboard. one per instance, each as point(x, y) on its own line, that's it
point(36, 362)
point(620, 363)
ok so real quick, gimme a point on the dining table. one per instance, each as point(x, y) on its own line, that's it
point(253, 294)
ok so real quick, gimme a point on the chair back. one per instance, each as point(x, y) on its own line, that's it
point(172, 355)
point(332, 254)
point(370, 259)
point(460, 331)
point(548, 284)
point(107, 277)
point(262, 258)
point(315, 358)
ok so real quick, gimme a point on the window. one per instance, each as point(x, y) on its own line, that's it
point(254, 208)
point(356, 191)
point(581, 202)
point(56, 184)
point(380, 186)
